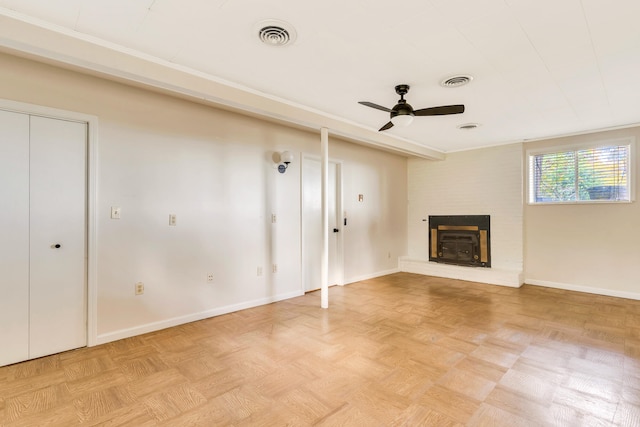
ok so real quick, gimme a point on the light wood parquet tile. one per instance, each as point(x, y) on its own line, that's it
point(35, 402)
point(153, 383)
point(77, 370)
point(133, 415)
point(586, 404)
point(306, 406)
point(61, 415)
point(334, 389)
point(97, 404)
point(219, 383)
point(349, 415)
point(173, 402)
point(452, 404)
point(521, 405)
point(481, 368)
point(276, 415)
point(420, 415)
point(399, 350)
point(467, 384)
point(533, 387)
point(627, 414)
point(632, 348)
point(496, 355)
point(210, 413)
point(280, 382)
point(561, 415)
point(243, 402)
point(490, 416)
point(381, 404)
point(410, 380)
point(97, 382)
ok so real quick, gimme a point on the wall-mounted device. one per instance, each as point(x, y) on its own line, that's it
point(286, 157)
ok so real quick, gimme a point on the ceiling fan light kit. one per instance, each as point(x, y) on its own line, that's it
point(402, 113)
point(402, 120)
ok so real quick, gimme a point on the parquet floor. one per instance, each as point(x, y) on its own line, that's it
point(400, 350)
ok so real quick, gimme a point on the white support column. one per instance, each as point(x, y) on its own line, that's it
point(324, 258)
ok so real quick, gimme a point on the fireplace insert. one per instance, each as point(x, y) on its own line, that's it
point(460, 240)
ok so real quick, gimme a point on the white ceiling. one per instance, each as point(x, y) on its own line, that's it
point(541, 68)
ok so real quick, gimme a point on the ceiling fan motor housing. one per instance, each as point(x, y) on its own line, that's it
point(402, 114)
point(402, 109)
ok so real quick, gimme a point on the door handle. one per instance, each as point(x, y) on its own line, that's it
point(335, 230)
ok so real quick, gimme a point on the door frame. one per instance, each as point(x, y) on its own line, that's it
point(91, 278)
point(339, 213)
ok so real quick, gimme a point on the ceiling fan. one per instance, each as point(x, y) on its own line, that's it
point(402, 113)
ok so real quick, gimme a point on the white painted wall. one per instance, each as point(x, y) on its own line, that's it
point(214, 169)
point(376, 231)
point(586, 247)
point(479, 182)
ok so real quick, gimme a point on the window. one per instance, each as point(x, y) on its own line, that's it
point(585, 174)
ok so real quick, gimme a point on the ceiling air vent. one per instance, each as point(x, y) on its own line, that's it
point(456, 81)
point(468, 126)
point(275, 33)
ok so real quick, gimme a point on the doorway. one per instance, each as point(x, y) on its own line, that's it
point(312, 223)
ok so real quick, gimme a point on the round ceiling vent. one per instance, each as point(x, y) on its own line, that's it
point(455, 81)
point(468, 126)
point(275, 33)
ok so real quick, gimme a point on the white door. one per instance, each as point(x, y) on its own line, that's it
point(312, 223)
point(57, 274)
point(14, 229)
point(48, 304)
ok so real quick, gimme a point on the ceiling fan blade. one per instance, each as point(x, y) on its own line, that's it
point(385, 127)
point(376, 106)
point(440, 111)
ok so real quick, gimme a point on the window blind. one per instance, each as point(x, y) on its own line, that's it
point(600, 173)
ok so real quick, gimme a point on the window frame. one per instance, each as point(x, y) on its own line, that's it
point(625, 141)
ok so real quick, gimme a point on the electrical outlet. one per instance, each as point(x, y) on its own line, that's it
point(173, 219)
point(210, 277)
point(139, 288)
point(274, 268)
point(259, 271)
point(273, 218)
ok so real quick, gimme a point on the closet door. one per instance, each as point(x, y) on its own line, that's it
point(57, 315)
point(14, 241)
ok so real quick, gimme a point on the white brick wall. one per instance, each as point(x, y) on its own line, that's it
point(479, 182)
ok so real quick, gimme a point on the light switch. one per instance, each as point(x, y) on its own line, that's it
point(115, 212)
point(173, 219)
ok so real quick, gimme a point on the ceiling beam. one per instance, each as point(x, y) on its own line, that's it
point(45, 42)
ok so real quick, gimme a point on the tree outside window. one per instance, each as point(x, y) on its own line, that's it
point(600, 173)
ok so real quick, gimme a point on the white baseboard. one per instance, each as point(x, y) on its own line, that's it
point(168, 323)
point(371, 276)
point(586, 289)
point(491, 276)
